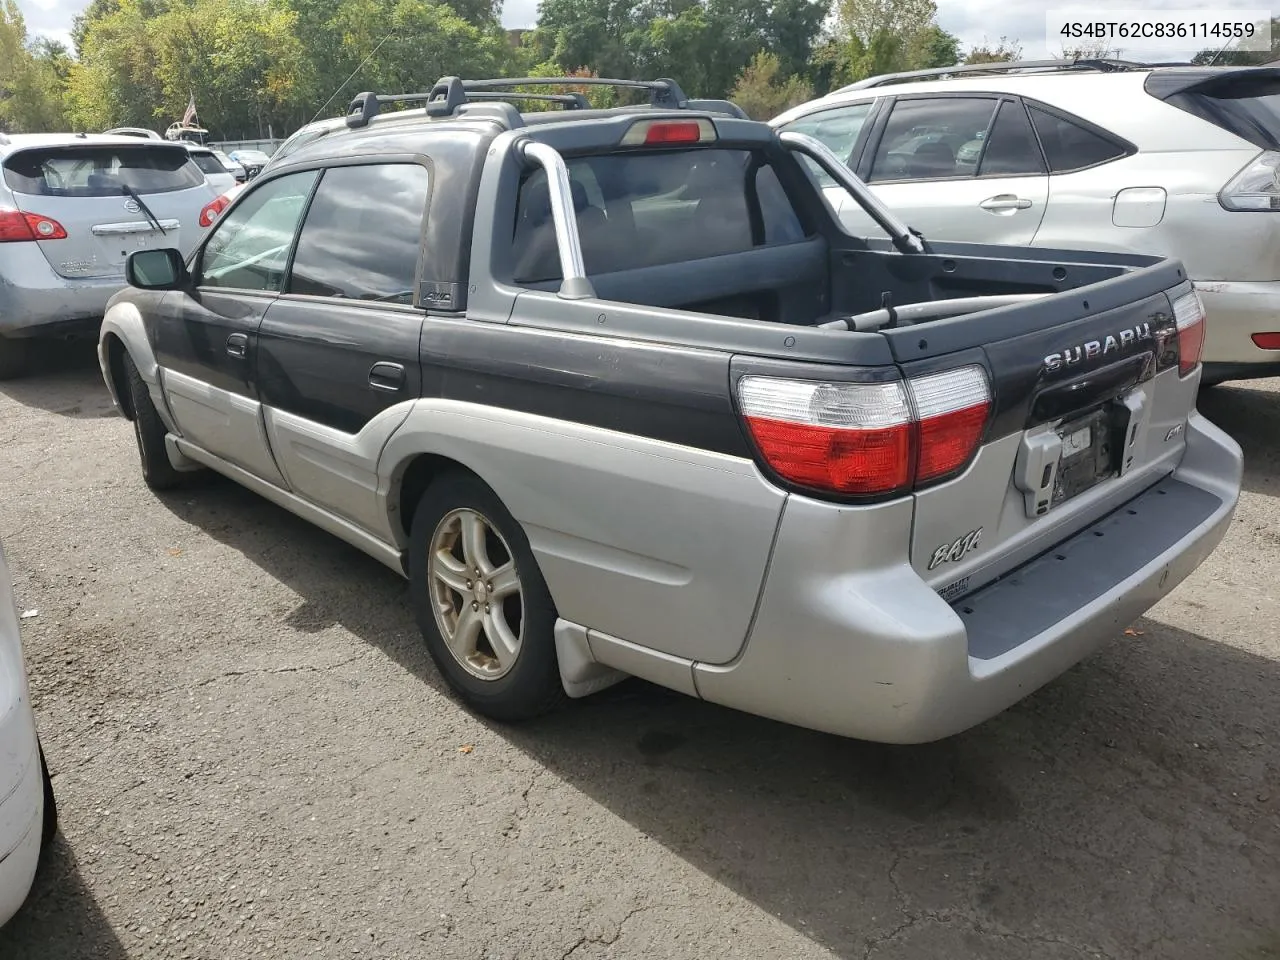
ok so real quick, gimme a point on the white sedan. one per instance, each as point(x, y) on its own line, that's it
point(28, 817)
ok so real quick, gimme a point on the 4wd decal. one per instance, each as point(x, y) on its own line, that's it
point(951, 552)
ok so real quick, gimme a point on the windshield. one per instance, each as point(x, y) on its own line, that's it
point(207, 163)
point(101, 171)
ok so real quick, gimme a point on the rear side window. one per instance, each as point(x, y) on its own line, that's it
point(646, 209)
point(1011, 150)
point(101, 171)
point(363, 234)
point(207, 163)
point(1069, 146)
point(933, 139)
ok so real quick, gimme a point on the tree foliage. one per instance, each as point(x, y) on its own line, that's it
point(764, 92)
point(1003, 51)
point(32, 76)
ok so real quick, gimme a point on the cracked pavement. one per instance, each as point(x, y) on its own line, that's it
point(254, 757)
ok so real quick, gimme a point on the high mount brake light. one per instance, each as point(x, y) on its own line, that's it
point(1188, 314)
point(19, 227)
point(867, 439)
point(213, 209)
point(657, 133)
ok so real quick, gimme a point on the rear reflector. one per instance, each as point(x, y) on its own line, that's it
point(1188, 312)
point(657, 133)
point(1267, 341)
point(211, 210)
point(863, 439)
point(18, 227)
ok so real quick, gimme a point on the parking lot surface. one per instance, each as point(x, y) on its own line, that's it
point(253, 756)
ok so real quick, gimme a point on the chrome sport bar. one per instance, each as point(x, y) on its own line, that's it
point(575, 285)
point(899, 232)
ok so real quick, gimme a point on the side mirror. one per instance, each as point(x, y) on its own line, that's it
point(156, 270)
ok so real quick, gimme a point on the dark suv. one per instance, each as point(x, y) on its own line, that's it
point(618, 395)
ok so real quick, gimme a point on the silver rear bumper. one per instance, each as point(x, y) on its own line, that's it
point(878, 655)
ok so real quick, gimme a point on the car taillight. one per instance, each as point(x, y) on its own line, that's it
point(865, 439)
point(212, 209)
point(17, 227)
point(1256, 187)
point(1267, 341)
point(1188, 313)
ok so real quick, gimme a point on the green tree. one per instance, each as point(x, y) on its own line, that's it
point(875, 37)
point(763, 91)
point(31, 81)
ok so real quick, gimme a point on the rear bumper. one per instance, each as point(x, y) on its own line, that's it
point(35, 301)
point(1236, 311)
point(880, 656)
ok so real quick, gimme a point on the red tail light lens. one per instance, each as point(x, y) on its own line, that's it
point(211, 210)
point(18, 227)
point(1188, 313)
point(952, 408)
point(1267, 341)
point(657, 133)
point(867, 438)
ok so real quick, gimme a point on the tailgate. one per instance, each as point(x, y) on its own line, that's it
point(110, 200)
point(1089, 404)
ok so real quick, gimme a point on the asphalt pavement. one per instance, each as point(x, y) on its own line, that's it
point(253, 757)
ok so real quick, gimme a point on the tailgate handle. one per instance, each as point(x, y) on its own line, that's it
point(1089, 389)
point(124, 229)
point(238, 345)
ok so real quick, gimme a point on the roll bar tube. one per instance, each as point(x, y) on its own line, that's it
point(903, 237)
point(573, 270)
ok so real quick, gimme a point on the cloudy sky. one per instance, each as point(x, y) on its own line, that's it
point(971, 20)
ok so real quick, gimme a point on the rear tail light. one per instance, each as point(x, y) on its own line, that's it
point(213, 209)
point(651, 133)
point(1188, 313)
point(1267, 341)
point(17, 227)
point(867, 439)
point(1256, 187)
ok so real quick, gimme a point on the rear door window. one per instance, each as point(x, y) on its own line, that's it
point(933, 139)
point(1012, 149)
point(646, 209)
point(363, 234)
point(101, 171)
point(1072, 146)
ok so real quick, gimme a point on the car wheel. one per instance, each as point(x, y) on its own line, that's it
point(13, 357)
point(49, 825)
point(149, 431)
point(481, 603)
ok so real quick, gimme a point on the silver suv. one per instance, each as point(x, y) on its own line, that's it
point(72, 208)
point(1176, 161)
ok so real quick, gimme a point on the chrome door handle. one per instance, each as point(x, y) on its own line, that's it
point(238, 345)
point(1005, 201)
point(387, 376)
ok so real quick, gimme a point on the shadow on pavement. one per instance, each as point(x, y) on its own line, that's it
point(1252, 416)
point(60, 920)
point(1128, 809)
point(65, 379)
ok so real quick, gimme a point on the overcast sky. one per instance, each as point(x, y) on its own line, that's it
point(971, 20)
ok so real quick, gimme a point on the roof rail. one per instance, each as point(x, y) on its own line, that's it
point(1008, 66)
point(449, 93)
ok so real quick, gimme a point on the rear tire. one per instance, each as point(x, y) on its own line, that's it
point(492, 636)
point(13, 357)
point(149, 430)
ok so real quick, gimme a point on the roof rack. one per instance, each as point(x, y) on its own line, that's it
point(1009, 66)
point(450, 93)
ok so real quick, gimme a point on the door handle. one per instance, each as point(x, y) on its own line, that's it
point(387, 376)
point(1005, 202)
point(238, 345)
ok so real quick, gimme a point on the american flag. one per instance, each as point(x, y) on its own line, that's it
point(189, 117)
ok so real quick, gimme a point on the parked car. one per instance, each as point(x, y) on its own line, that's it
point(28, 812)
point(218, 176)
point(624, 398)
point(1100, 155)
point(72, 207)
point(232, 167)
point(251, 160)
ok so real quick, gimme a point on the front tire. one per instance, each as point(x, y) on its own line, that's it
point(481, 602)
point(14, 355)
point(149, 431)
